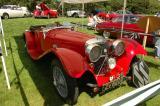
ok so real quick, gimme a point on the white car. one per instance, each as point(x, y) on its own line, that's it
point(75, 13)
point(10, 11)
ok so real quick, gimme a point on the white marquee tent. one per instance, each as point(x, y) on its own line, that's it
point(81, 1)
point(91, 1)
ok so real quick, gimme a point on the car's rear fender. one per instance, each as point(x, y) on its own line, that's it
point(74, 64)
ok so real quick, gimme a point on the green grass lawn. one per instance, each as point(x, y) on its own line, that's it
point(31, 81)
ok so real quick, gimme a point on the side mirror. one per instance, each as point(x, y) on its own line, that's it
point(106, 35)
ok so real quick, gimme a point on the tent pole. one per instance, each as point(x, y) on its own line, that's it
point(63, 8)
point(124, 7)
point(146, 31)
point(82, 13)
point(1, 27)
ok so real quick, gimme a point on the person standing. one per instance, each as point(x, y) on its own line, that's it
point(97, 20)
point(90, 20)
point(157, 44)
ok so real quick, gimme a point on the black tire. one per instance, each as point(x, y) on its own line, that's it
point(75, 15)
point(5, 16)
point(134, 64)
point(25, 16)
point(56, 16)
point(65, 85)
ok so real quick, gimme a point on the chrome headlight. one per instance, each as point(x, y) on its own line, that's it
point(94, 52)
point(111, 63)
point(118, 47)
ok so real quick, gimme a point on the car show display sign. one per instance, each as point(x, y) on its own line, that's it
point(149, 24)
point(1, 54)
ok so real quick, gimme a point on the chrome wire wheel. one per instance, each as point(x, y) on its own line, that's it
point(59, 81)
point(65, 85)
point(134, 36)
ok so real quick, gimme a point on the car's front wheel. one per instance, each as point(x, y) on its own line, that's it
point(5, 16)
point(65, 85)
point(139, 73)
point(75, 15)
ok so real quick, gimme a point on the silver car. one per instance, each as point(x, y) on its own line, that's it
point(10, 11)
point(76, 13)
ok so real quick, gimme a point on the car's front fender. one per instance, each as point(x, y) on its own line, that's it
point(73, 63)
point(132, 49)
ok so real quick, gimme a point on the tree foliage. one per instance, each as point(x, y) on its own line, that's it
point(136, 6)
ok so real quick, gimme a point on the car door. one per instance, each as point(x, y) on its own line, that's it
point(118, 26)
point(118, 23)
point(12, 12)
point(131, 24)
point(19, 12)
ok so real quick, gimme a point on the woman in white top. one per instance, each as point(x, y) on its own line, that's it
point(90, 21)
point(97, 20)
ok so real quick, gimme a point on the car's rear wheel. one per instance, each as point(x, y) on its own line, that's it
point(25, 16)
point(56, 16)
point(139, 73)
point(5, 16)
point(65, 85)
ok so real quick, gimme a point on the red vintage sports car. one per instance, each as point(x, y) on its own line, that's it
point(42, 10)
point(131, 29)
point(110, 14)
point(100, 63)
point(107, 16)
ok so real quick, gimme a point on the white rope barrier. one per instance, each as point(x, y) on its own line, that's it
point(137, 96)
point(5, 70)
point(2, 58)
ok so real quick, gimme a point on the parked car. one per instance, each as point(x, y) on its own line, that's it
point(107, 16)
point(76, 13)
point(42, 10)
point(10, 11)
point(102, 64)
point(121, 12)
point(131, 29)
point(157, 14)
point(110, 14)
point(28, 13)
